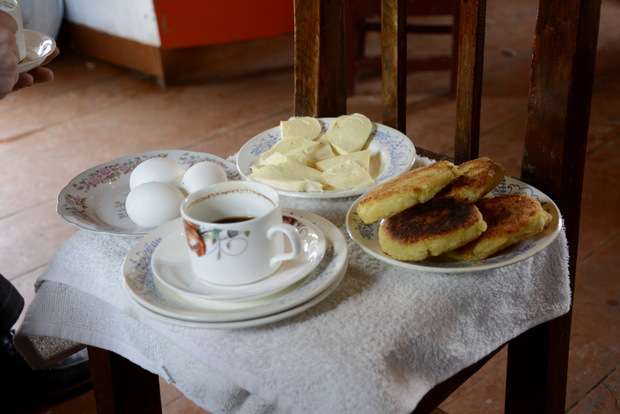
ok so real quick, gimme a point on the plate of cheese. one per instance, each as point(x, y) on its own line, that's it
point(326, 157)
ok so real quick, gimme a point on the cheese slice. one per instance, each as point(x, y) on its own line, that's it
point(347, 175)
point(306, 127)
point(360, 157)
point(274, 159)
point(349, 133)
point(322, 151)
point(297, 147)
point(290, 175)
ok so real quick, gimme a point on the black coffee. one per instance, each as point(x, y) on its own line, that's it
point(236, 219)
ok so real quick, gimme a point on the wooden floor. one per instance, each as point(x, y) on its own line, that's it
point(94, 112)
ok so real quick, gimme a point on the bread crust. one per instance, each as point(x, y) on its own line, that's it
point(430, 229)
point(510, 218)
point(441, 209)
point(407, 190)
point(475, 179)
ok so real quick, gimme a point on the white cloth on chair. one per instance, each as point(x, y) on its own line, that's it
point(378, 343)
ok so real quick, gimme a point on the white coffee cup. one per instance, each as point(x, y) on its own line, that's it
point(235, 234)
point(12, 7)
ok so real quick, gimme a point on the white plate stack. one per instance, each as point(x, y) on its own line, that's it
point(157, 276)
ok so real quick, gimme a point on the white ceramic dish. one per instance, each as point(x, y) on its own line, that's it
point(38, 47)
point(249, 323)
point(393, 153)
point(95, 199)
point(158, 300)
point(366, 236)
point(171, 265)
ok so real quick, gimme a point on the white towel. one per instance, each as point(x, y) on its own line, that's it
point(378, 343)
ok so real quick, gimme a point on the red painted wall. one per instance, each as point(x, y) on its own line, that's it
point(187, 23)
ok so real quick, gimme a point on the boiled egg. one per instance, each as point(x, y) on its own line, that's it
point(201, 175)
point(153, 203)
point(157, 169)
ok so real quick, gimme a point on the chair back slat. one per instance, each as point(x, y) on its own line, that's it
point(559, 105)
point(320, 77)
point(554, 154)
point(469, 80)
point(394, 63)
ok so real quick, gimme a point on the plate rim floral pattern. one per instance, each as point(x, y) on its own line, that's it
point(79, 202)
point(395, 144)
point(366, 236)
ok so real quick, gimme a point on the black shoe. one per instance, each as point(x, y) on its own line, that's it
point(21, 385)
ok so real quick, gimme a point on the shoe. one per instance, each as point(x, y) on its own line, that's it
point(22, 385)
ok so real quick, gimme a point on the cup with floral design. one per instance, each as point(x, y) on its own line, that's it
point(235, 234)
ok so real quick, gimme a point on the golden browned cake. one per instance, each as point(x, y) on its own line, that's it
point(510, 218)
point(414, 187)
point(475, 179)
point(430, 229)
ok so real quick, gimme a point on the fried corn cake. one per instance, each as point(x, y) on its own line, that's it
point(510, 218)
point(474, 180)
point(414, 187)
point(430, 229)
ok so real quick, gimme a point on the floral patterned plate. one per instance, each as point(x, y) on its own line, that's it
point(95, 199)
point(170, 263)
point(159, 301)
point(393, 153)
point(367, 237)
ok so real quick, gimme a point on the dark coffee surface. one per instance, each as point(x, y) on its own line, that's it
point(235, 219)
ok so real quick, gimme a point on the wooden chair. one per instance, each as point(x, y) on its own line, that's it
point(554, 158)
point(554, 151)
point(361, 18)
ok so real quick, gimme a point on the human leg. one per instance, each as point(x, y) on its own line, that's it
point(19, 383)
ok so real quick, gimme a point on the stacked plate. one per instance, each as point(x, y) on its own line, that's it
point(156, 271)
point(158, 277)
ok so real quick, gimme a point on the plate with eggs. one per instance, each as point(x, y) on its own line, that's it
point(308, 157)
point(134, 194)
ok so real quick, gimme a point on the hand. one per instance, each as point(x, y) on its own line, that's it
point(9, 54)
point(39, 74)
point(10, 78)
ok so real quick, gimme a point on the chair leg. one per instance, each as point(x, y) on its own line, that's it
point(537, 369)
point(122, 387)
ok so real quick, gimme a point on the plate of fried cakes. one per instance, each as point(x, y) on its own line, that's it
point(448, 218)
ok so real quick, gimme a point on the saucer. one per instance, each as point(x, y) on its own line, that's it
point(38, 47)
point(171, 265)
point(159, 301)
point(248, 323)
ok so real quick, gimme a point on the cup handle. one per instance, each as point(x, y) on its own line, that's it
point(294, 238)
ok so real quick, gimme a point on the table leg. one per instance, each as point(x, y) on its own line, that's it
point(121, 386)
